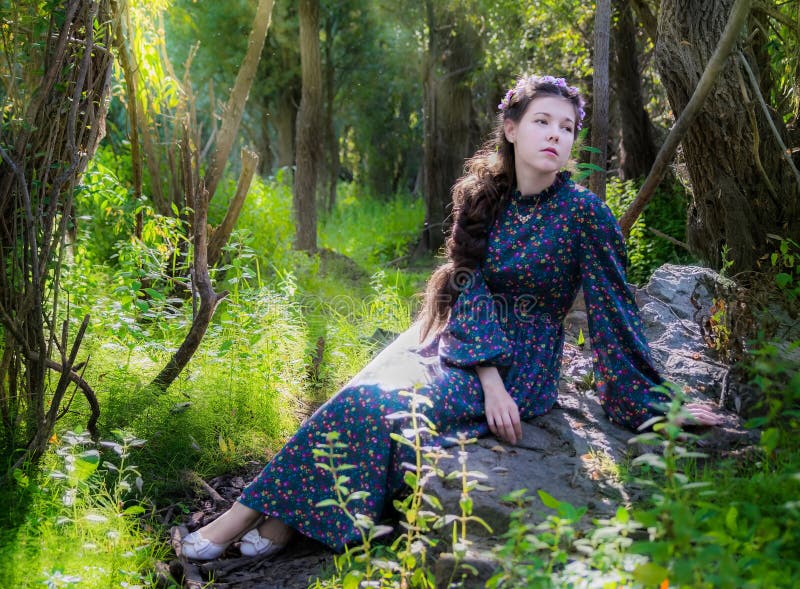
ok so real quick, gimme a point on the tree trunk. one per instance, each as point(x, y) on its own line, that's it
point(331, 159)
point(285, 122)
point(452, 54)
point(647, 18)
point(198, 198)
point(241, 89)
point(309, 129)
point(637, 147)
point(742, 187)
point(600, 96)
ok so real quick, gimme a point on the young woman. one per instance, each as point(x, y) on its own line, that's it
point(487, 348)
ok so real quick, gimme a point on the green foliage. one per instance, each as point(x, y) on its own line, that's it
point(384, 230)
point(77, 522)
point(784, 265)
point(666, 212)
point(556, 553)
point(731, 526)
point(403, 562)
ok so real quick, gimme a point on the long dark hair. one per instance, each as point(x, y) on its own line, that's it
point(489, 177)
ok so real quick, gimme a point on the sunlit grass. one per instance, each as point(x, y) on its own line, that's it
point(371, 231)
point(78, 525)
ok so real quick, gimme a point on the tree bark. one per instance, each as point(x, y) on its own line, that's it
point(331, 159)
point(638, 149)
point(223, 232)
point(647, 18)
point(688, 114)
point(241, 89)
point(600, 96)
point(742, 188)
point(199, 197)
point(285, 123)
point(126, 63)
point(452, 53)
point(309, 129)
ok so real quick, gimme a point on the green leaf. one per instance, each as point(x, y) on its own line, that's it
point(159, 296)
point(769, 439)
point(466, 505)
point(783, 280)
point(352, 580)
point(623, 516)
point(86, 464)
point(328, 503)
point(730, 518)
point(650, 574)
point(548, 499)
point(134, 510)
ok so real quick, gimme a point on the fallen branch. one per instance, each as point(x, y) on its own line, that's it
point(191, 573)
point(193, 478)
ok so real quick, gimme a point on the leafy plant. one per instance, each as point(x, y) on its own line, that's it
point(403, 562)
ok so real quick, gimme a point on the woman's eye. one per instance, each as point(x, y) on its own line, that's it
point(567, 129)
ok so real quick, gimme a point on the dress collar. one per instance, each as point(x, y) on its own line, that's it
point(561, 179)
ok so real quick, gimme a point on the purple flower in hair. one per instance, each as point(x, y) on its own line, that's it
point(561, 83)
point(506, 102)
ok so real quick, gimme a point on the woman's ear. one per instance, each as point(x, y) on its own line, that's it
point(509, 130)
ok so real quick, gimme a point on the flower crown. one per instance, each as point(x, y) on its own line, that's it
point(570, 91)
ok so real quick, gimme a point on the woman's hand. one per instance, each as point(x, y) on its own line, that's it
point(701, 414)
point(502, 413)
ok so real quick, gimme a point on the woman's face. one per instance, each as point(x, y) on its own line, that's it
point(544, 136)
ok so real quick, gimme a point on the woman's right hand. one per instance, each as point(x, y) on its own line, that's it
point(502, 413)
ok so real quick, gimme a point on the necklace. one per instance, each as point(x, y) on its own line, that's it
point(534, 206)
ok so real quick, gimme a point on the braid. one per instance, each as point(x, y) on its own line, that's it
point(477, 198)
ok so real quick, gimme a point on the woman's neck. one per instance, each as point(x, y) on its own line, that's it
point(535, 183)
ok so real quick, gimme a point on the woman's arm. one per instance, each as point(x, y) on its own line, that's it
point(502, 413)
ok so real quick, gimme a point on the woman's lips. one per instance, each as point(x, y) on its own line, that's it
point(550, 150)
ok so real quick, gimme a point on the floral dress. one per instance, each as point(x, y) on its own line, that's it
point(509, 314)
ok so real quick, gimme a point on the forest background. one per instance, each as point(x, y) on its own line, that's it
point(215, 213)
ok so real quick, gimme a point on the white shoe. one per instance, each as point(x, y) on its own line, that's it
point(254, 544)
point(195, 547)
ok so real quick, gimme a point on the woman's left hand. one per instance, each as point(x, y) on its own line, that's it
point(701, 414)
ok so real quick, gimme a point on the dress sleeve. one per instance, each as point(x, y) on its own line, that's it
point(623, 366)
point(473, 335)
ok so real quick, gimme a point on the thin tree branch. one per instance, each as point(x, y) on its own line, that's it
point(669, 238)
point(768, 116)
point(241, 88)
point(223, 232)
